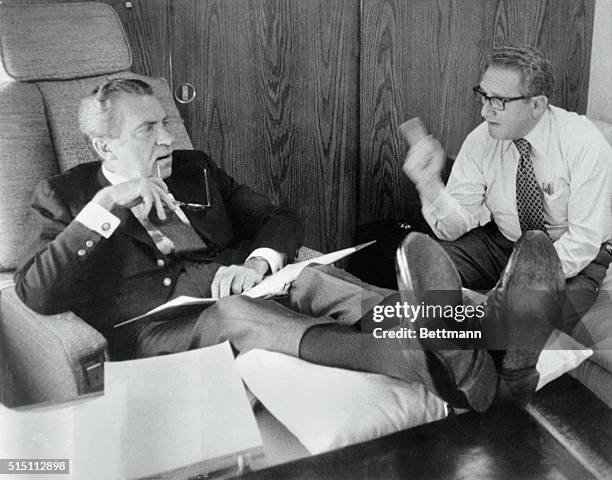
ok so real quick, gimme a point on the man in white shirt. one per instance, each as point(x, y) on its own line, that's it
point(523, 140)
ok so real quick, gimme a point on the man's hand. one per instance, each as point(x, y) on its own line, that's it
point(235, 279)
point(424, 164)
point(149, 191)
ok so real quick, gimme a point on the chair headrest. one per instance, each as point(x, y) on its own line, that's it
point(61, 41)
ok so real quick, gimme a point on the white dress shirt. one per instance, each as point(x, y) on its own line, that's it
point(573, 166)
point(97, 218)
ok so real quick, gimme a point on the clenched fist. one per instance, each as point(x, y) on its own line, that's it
point(424, 164)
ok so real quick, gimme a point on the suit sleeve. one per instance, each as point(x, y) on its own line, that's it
point(58, 256)
point(257, 219)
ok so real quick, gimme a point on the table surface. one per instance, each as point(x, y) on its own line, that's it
point(565, 434)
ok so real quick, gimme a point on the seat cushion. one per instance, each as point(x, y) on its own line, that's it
point(328, 408)
point(26, 157)
point(62, 41)
point(595, 328)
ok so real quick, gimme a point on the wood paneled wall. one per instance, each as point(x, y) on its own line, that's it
point(277, 101)
point(421, 58)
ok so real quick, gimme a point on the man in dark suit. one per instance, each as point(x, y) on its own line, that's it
point(111, 241)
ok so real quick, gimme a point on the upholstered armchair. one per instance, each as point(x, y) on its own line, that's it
point(52, 55)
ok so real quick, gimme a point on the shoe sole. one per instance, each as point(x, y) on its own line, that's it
point(422, 265)
point(530, 304)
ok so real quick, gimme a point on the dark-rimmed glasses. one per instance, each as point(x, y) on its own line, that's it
point(496, 103)
point(193, 206)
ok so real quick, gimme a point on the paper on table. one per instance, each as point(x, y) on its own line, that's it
point(86, 431)
point(176, 307)
point(279, 283)
point(183, 409)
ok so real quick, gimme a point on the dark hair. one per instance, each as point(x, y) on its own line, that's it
point(98, 115)
point(537, 76)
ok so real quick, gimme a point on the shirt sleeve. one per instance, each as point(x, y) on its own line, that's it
point(459, 206)
point(588, 212)
point(97, 218)
point(275, 259)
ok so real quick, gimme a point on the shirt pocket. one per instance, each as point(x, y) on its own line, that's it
point(555, 193)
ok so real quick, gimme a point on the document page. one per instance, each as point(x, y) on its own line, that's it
point(82, 439)
point(179, 306)
point(182, 409)
point(279, 283)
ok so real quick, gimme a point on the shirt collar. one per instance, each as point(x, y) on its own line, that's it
point(538, 136)
point(112, 177)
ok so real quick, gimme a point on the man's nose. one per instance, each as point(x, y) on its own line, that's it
point(165, 137)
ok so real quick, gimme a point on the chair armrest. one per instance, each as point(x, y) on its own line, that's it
point(54, 357)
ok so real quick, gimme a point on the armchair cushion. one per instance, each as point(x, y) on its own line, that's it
point(45, 42)
point(53, 358)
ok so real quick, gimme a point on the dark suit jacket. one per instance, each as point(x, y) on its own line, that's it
point(126, 275)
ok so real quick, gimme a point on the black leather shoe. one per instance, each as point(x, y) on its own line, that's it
point(426, 275)
point(522, 312)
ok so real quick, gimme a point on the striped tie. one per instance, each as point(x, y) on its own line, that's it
point(528, 194)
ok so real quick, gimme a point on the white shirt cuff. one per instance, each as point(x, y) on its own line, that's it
point(275, 259)
point(97, 218)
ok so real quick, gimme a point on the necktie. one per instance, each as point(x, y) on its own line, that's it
point(528, 195)
point(174, 235)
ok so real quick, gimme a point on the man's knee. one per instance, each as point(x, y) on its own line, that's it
point(227, 319)
point(228, 310)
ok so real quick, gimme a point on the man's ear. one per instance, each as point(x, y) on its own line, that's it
point(540, 104)
point(102, 148)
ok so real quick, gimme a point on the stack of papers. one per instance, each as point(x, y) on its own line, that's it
point(173, 416)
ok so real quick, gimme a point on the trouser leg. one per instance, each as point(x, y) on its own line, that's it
point(480, 256)
point(325, 290)
point(319, 295)
point(341, 346)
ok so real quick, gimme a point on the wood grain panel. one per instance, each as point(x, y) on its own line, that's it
point(147, 25)
point(277, 86)
point(421, 58)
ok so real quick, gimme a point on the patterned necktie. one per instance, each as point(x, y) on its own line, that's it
point(175, 235)
point(528, 195)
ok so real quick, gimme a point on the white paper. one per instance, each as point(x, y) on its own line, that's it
point(182, 301)
point(182, 409)
point(278, 283)
point(86, 431)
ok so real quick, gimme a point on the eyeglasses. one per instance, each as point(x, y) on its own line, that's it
point(195, 207)
point(496, 103)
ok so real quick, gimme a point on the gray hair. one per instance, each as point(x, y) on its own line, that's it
point(98, 115)
point(537, 76)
